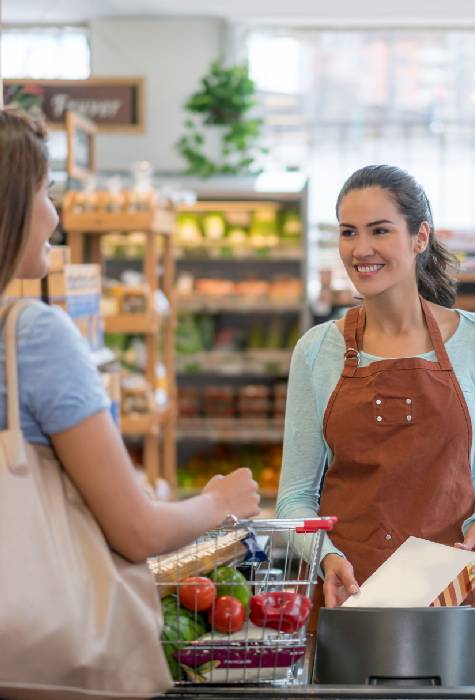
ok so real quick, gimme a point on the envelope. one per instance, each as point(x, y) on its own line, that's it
point(419, 573)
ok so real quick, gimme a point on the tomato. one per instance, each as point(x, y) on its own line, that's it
point(227, 615)
point(197, 593)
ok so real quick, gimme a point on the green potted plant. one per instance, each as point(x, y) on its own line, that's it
point(223, 102)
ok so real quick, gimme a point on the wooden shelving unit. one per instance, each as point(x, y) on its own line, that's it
point(85, 219)
point(253, 328)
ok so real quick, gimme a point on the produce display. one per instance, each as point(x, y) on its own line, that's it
point(197, 333)
point(235, 230)
point(263, 460)
point(282, 288)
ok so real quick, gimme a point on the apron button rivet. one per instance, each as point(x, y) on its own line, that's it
point(378, 402)
point(379, 418)
point(409, 418)
point(388, 537)
point(408, 401)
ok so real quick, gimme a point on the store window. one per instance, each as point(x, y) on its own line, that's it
point(336, 100)
point(49, 52)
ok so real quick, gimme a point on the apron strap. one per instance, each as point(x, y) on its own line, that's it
point(435, 336)
point(353, 333)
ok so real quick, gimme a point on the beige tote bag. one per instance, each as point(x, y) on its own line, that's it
point(77, 620)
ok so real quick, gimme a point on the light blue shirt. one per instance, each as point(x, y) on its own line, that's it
point(59, 384)
point(316, 366)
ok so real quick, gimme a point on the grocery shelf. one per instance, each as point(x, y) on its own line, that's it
point(466, 277)
point(465, 301)
point(235, 304)
point(133, 323)
point(267, 362)
point(217, 252)
point(225, 206)
point(143, 423)
point(101, 221)
point(231, 429)
point(90, 215)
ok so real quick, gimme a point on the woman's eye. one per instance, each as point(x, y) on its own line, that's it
point(347, 233)
point(380, 231)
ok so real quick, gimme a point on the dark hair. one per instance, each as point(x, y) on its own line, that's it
point(435, 266)
point(23, 165)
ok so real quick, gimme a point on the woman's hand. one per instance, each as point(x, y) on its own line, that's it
point(468, 541)
point(235, 493)
point(339, 582)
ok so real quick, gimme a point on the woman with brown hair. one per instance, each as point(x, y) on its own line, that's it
point(62, 403)
point(384, 397)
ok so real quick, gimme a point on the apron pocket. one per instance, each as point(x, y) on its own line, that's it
point(393, 410)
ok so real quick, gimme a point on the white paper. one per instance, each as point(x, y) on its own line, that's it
point(413, 576)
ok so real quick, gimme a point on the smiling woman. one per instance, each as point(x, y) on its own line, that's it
point(384, 397)
point(397, 211)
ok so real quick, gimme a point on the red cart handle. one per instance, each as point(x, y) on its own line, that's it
point(315, 524)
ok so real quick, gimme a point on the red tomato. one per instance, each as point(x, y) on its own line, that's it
point(197, 593)
point(227, 615)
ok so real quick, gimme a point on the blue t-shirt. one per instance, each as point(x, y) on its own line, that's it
point(317, 363)
point(59, 384)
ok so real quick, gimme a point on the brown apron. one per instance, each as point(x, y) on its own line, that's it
point(400, 433)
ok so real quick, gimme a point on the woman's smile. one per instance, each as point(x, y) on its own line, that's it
point(368, 270)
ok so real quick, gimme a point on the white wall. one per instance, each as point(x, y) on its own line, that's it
point(172, 54)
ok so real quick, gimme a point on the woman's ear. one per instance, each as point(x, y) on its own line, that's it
point(422, 238)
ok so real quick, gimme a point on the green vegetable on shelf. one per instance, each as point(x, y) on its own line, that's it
point(291, 227)
point(214, 227)
point(187, 335)
point(275, 339)
point(188, 229)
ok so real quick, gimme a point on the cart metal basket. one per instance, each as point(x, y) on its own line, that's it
point(272, 557)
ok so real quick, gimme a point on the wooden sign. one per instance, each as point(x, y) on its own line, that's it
point(81, 158)
point(114, 104)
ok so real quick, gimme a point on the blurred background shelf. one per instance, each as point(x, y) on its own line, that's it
point(137, 424)
point(235, 363)
point(237, 305)
point(133, 323)
point(246, 430)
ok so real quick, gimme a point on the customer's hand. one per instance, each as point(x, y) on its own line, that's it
point(235, 493)
point(339, 581)
point(468, 541)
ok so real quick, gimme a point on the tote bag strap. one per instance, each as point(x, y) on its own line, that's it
point(13, 454)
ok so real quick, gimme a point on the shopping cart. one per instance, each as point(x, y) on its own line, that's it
point(267, 571)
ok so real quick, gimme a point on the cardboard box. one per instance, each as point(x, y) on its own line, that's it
point(77, 290)
point(419, 573)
